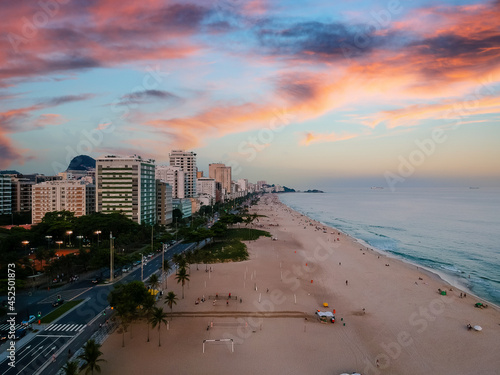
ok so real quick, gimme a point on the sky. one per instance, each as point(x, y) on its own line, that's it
point(308, 94)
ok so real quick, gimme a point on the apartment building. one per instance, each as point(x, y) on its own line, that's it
point(5, 195)
point(186, 161)
point(164, 207)
point(73, 196)
point(127, 185)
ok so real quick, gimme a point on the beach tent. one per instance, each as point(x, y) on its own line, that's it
point(326, 316)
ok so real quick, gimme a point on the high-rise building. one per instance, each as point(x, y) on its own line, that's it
point(220, 173)
point(73, 196)
point(5, 195)
point(21, 194)
point(242, 184)
point(207, 190)
point(260, 185)
point(164, 206)
point(174, 176)
point(186, 161)
point(184, 205)
point(206, 186)
point(126, 185)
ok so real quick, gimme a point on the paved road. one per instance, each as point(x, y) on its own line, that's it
point(74, 328)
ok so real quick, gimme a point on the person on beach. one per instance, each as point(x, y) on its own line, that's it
point(346, 282)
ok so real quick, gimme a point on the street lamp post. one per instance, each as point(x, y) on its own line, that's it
point(111, 245)
point(142, 267)
point(59, 243)
point(162, 264)
point(80, 239)
point(98, 232)
point(25, 243)
point(48, 238)
point(69, 233)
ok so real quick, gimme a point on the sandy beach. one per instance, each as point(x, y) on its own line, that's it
point(390, 317)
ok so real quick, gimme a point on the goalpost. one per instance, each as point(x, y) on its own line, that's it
point(219, 340)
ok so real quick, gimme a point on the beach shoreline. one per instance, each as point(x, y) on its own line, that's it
point(390, 317)
point(452, 281)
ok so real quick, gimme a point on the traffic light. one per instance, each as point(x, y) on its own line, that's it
point(39, 314)
point(104, 312)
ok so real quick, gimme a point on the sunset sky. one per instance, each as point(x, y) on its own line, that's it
point(303, 93)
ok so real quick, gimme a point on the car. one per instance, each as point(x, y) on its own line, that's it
point(137, 262)
point(126, 269)
point(20, 333)
point(4, 335)
point(58, 302)
point(96, 280)
point(30, 320)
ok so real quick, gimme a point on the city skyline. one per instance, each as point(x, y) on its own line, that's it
point(303, 94)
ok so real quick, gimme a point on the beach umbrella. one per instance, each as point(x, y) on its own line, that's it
point(478, 328)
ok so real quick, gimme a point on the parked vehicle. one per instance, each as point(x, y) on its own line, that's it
point(4, 335)
point(20, 333)
point(57, 302)
point(30, 320)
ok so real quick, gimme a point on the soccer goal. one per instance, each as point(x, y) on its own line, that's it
point(219, 340)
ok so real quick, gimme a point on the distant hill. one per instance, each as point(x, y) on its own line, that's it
point(314, 191)
point(81, 163)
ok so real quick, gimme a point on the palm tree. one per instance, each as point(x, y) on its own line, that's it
point(182, 277)
point(188, 257)
point(91, 354)
point(167, 267)
point(157, 318)
point(154, 281)
point(170, 300)
point(71, 368)
point(125, 319)
point(147, 308)
point(179, 260)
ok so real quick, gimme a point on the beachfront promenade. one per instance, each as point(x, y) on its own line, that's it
point(390, 317)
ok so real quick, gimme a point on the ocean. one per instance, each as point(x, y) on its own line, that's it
point(454, 232)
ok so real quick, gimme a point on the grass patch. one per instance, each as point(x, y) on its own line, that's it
point(225, 251)
point(245, 234)
point(66, 306)
point(230, 248)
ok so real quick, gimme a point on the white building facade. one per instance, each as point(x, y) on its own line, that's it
point(186, 161)
point(73, 196)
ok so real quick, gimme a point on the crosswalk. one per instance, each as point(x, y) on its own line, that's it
point(65, 327)
point(65, 295)
point(6, 327)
